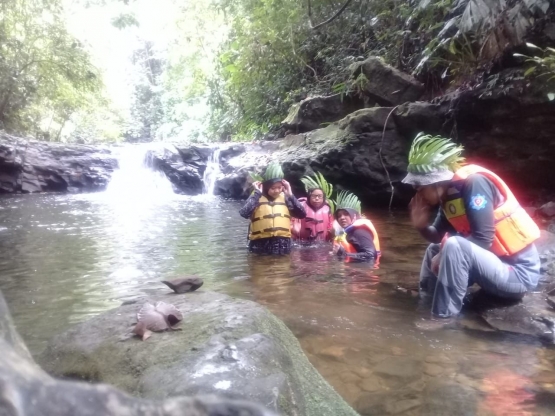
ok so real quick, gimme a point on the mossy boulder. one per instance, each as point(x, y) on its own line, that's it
point(233, 348)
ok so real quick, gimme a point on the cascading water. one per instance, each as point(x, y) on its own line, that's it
point(135, 178)
point(212, 172)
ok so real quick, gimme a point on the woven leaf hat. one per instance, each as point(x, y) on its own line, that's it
point(432, 159)
point(347, 200)
point(317, 181)
point(273, 172)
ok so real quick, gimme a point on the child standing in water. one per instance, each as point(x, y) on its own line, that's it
point(270, 208)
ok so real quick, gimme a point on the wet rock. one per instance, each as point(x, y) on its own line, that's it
point(547, 210)
point(399, 368)
point(385, 84)
point(183, 166)
point(388, 403)
point(32, 166)
point(26, 390)
point(447, 398)
point(228, 347)
point(315, 112)
point(371, 383)
point(530, 316)
point(433, 370)
point(345, 152)
point(349, 377)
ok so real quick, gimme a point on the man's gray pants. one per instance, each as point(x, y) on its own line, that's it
point(462, 264)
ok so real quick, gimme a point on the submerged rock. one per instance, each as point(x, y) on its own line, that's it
point(229, 347)
point(26, 390)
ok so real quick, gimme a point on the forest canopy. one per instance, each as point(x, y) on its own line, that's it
point(142, 70)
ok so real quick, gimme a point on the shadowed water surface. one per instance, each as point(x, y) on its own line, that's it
point(64, 259)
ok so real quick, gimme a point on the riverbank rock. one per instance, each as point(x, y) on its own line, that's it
point(26, 390)
point(385, 84)
point(184, 166)
point(316, 112)
point(33, 166)
point(346, 152)
point(229, 347)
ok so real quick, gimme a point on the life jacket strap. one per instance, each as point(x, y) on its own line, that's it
point(272, 203)
point(269, 230)
point(269, 216)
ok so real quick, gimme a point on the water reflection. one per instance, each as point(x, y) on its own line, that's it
point(66, 258)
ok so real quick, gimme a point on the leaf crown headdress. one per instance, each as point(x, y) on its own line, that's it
point(273, 171)
point(318, 181)
point(346, 199)
point(430, 154)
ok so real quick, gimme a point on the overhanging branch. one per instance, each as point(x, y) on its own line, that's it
point(331, 19)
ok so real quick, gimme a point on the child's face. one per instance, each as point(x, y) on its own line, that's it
point(275, 190)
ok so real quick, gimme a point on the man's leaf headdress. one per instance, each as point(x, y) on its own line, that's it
point(429, 154)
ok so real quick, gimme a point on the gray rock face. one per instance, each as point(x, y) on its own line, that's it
point(232, 348)
point(385, 84)
point(346, 152)
point(33, 166)
point(313, 113)
point(26, 390)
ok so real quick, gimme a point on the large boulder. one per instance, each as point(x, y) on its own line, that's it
point(34, 166)
point(234, 348)
point(346, 152)
point(385, 84)
point(507, 124)
point(26, 390)
point(184, 166)
point(316, 112)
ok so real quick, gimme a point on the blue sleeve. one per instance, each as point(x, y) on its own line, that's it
point(479, 198)
point(295, 207)
point(442, 224)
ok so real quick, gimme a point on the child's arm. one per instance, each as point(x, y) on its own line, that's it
point(250, 205)
point(296, 208)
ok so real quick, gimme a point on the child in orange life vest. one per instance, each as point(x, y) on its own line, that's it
point(270, 208)
point(317, 225)
point(360, 240)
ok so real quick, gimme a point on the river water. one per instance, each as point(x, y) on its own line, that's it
point(65, 258)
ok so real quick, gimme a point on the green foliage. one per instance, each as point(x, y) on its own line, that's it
point(273, 171)
point(317, 181)
point(346, 199)
point(541, 66)
point(431, 153)
point(45, 73)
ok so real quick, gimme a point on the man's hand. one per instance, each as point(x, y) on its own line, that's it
point(287, 187)
point(419, 212)
point(435, 263)
point(257, 185)
point(338, 250)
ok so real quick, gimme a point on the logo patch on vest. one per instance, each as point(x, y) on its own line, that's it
point(452, 208)
point(478, 202)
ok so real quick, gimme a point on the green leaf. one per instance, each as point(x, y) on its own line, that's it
point(529, 71)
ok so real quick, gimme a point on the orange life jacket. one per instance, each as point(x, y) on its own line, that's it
point(315, 226)
point(514, 229)
point(360, 223)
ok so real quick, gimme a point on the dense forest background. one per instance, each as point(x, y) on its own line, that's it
point(92, 71)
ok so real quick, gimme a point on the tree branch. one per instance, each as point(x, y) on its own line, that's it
point(331, 19)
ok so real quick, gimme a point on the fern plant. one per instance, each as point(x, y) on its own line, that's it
point(318, 181)
point(432, 153)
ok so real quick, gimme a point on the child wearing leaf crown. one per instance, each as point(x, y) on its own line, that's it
point(270, 208)
point(317, 225)
point(359, 241)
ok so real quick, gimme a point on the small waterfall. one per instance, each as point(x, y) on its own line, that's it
point(136, 180)
point(212, 172)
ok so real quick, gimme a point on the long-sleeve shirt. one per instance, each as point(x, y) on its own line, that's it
point(363, 242)
point(295, 208)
